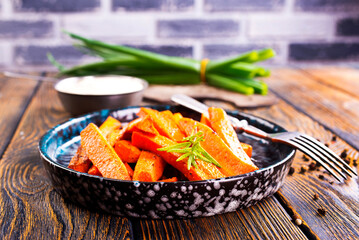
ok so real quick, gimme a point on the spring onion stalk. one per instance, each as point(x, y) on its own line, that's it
point(235, 74)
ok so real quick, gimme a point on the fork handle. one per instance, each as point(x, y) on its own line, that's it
point(241, 126)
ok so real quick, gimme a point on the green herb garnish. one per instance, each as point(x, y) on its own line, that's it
point(191, 150)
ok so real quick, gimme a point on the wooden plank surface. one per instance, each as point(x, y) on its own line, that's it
point(35, 210)
point(342, 78)
point(341, 200)
point(266, 220)
point(331, 107)
point(16, 93)
point(31, 207)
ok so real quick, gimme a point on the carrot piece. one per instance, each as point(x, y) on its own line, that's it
point(146, 125)
point(127, 152)
point(149, 167)
point(177, 117)
point(101, 154)
point(80, 162)
point(205, 120)
point(247, 148)
point(109, 125)
point(174, 179)
point(216, 147)
point(115, 136)
point(153, 142)
point(164, 123)
point(94, 171)
point(129, 169)
point(222, 126)
point(129, 128)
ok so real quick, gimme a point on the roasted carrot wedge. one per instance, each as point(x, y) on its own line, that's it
point(230, 163)
point(101, 154)
point(109, 125)
point(149, 167)
point(80, 162)
point(177, 117)
point(164, 124)
point(222, 126)
point(205, 120)
point(247, 148)
point(146, 125)
point(126, 151)
point(174, 179)
point(94, 171)
point(129, 169)
point(153, 142)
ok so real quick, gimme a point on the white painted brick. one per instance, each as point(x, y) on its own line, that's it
point(291, 27)
point(125, 27)
point(5, 54)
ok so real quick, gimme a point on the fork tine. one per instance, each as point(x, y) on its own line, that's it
point(329, 151)
point(324, 153)
point(312, 155)
point(316, 153)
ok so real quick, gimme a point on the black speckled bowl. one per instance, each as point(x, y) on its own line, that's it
point(182, 199)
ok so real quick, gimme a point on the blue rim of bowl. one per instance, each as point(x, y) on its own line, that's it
point(44, 139)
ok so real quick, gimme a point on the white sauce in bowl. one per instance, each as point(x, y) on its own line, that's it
point(100, 85)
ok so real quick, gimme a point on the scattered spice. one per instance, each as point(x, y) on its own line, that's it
point(312, 166)
point(321, 176)
point(327, 144)
point(316, 196)
point(347, 160)
point(334, 138)
point(291, 171)
point(306, 158)
point(355, 162)
point(297, 219)
point(318, 164)
point(331, 182)
point(303, 169)
point(344, 154)
point(321, 211)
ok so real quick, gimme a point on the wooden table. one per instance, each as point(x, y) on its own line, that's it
point(320, 102)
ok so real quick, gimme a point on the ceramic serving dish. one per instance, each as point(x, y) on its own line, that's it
point(182, 199)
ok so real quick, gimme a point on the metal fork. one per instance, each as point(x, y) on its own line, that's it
point(308, 145)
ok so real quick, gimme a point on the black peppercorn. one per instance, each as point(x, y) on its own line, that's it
point(327, 144)
point(316, 196)
point(344, 154)
point(312, 166)
point(321, 176)
point(291, 171)
point(303, 169)
point(322, 211)
point(334, 138)
point(306, 158)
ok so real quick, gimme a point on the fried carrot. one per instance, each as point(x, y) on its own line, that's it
point(101, 154)
point(247, 148)
point(205, 120)
point(129, 169)
point(149, 167)
point(174, 179)
point(80, 162)
point(165, 124)
point(94, 171)
point(126, 151)
point(222, 126)
point(153, 142)
point(146, 125)
point(109, 125)
point(216, 147)
point(177, 117)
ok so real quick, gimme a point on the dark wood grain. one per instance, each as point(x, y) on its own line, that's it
point(16, 93)
point(31, 209)
point(334, 109)
point(266, 220)
point(341, 78)
point(341, 200)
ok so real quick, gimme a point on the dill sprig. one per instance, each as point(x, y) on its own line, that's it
point(192, 150)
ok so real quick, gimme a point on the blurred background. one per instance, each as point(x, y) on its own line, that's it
point(301, 31)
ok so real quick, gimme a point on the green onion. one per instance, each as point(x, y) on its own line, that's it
point(234, 74)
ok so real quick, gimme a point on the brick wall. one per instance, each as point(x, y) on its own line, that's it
point(301, 31)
